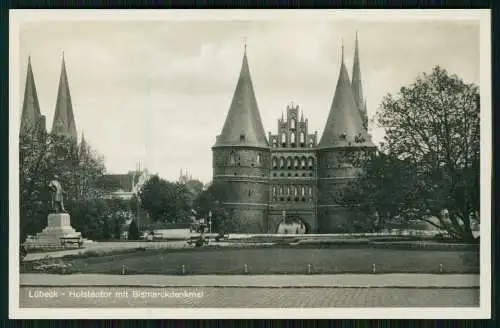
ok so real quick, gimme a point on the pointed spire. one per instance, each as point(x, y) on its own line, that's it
point(357, 83)
point(83, 144)
point(344, 124)
point(31, 116)
point(342, 46)
point(64, 120)
point(302, 116)
point(243, 125)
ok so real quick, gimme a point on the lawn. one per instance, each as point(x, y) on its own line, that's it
point(280, 260)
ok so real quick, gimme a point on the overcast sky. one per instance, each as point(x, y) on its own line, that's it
point(158, 92)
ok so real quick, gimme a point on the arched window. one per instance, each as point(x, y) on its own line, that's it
point(274, 190)
point(288, 190)
point(296, 163)
point(275, 162)
point(301, 139)
point(282, 162)
point(310, 190)
point(258, 159)
point(303, 163)
point(292, 139)
point(289, 162)
point(303, 191)
point(283, 139)
point(311, 162)
point(295, 191)
point(292, 123)
point(311, 142)
point(275, 142)
point(232, 158)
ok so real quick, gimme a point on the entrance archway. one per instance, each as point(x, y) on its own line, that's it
point(293, 225)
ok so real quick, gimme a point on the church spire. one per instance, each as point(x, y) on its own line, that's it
point(357, 84)
point(64, 120)
point(344, 125)
point(243, 125)
point(31, 116)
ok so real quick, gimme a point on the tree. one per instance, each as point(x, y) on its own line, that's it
point(164, 201)
point(194, 188)
point(211, 200)
point(133, 231)
point(432, 152)
point(41, 156)
point(100, 219)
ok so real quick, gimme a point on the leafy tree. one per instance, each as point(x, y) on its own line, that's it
point(133, 231)
point(99, 219)
point(430, 158)
point(41, 156)
point(211, 200)
point(164, 201)
point(194, 188)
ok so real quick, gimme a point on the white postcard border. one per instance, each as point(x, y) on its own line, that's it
point(18, 17)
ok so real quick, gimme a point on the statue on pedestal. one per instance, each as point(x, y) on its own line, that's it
point(57, 204)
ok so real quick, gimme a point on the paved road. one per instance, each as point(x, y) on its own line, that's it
point(319, 280)
point(67, 297)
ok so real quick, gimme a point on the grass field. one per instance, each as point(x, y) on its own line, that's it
point(278, 260)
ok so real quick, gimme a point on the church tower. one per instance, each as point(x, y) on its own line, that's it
point(343, 145)
point(31, 117)
point(241, 159)
point(64, 120)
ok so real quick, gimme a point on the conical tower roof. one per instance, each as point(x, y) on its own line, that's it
point(64, 120)
point(344, 126)
point(243, 125)
point(357, 84)
point(31, 115)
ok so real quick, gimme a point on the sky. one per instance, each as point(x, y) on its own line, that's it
point(158, 92)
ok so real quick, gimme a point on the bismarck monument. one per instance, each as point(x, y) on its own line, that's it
point(58, 223)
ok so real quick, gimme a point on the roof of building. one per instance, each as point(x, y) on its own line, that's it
point(64, 120)
point(243, 125)
point(344, 126)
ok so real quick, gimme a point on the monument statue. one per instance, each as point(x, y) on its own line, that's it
point(57, 204)
point(58, 231)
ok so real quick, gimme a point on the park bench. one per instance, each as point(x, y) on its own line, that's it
point(71, 241)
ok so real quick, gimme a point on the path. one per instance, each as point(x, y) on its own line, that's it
point(107, 247)
point(340, 280)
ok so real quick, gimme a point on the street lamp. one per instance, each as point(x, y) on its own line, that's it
point(209, 224)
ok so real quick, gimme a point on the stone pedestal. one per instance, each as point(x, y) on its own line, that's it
point(58, 226)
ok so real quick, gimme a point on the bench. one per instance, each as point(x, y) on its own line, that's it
point(71, 241)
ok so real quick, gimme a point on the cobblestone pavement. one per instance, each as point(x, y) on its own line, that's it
point(339, 280)
point(93, 297)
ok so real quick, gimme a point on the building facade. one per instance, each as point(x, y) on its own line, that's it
point(292, 175)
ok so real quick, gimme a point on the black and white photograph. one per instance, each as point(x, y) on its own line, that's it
point(250, 164)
